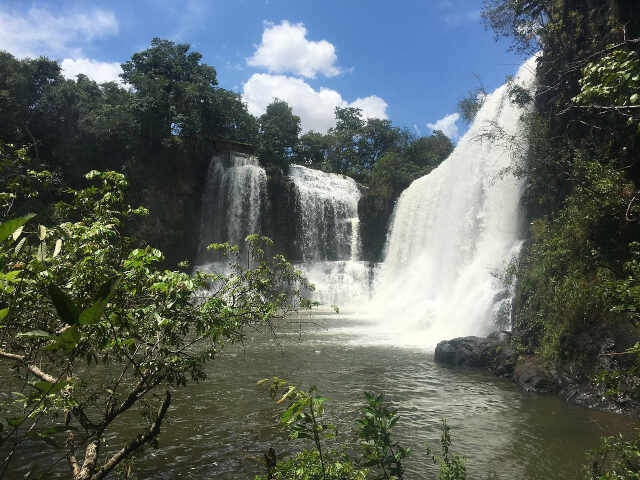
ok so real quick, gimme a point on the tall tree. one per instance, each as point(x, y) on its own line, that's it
point(279, 131)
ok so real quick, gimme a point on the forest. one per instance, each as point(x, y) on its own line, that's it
point(102, 314)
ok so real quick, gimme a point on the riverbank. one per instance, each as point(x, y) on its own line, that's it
point(531, 372)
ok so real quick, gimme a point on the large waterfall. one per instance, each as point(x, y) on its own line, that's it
point(454, 232)
point(328, 237)
point(232, 203)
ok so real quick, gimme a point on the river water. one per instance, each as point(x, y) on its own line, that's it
point(221, 428)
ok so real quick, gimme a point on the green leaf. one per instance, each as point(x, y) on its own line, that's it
point(634, 98)
point(67, 340)
point(64, 306)
point(47, 388)
point(7, 228)
point(35, 333)
point(92, 314)
point(3, 313)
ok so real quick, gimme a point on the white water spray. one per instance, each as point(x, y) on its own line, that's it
point(453, 232)
point(329, 238)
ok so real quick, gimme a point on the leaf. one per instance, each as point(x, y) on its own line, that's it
point(92, 315)
point(41, 254)
point(64, 306)
point(7, 228)
point(57, 248)
point(35, 333)
point(17, 233)
point(67, 340)
point(3, 314)
point(20, 245)
point(42, 232)
point(634, 98)
point(47, 388)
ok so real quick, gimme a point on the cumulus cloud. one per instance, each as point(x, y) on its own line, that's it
point(285, 49)
point(98, 71)
point(39, 32)
point(314, 107)
point(447, 125)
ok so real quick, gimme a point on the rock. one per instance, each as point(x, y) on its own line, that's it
point(533, 376)
point(493, 352)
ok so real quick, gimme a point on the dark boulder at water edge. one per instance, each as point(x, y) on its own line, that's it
point(493, 352)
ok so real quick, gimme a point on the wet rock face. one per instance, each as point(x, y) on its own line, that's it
point(533, 376)
point(493, 352)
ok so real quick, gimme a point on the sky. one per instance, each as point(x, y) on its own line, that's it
point(409, 61)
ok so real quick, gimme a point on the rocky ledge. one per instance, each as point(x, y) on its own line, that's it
point(495, 354)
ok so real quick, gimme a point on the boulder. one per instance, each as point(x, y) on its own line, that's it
point(493, 352)
point(533, 375)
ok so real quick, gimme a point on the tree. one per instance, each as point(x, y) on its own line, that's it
point(23, 83)
point(522, 21)
point(313, 150)
point(279, 130)
point(429, 152)
point(76, 297)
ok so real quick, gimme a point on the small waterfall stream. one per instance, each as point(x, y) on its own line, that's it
point(329, 236)
point(232, 203)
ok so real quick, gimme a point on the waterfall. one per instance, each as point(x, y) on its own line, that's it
point(328, 205)
point(454, 231)
point(328, 238)
point(232, 203)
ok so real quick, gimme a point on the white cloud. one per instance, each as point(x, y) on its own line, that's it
point(314, 107)
point(285, 49)
point(39, 32)
point(447, 125)
point(98, 71)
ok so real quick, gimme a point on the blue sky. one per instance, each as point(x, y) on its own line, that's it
point(409, 61)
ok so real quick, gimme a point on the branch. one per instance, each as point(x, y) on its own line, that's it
point(70, 448)
point(32, 368)
point(133, 445)
point(628, 215)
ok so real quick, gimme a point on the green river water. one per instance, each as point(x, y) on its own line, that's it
point(220, 428)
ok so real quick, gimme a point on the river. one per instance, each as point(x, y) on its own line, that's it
point(221, 428)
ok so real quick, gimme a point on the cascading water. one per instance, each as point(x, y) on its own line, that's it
point(454, 231)
point(328, 237)
point(232, 203)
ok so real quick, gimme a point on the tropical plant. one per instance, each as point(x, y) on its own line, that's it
point(91, 328)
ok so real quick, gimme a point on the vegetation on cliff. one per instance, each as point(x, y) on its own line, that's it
point(577, 279)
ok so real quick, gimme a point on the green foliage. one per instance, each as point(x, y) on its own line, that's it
point(451, 466)
point(615, 459)
point(306, 465)
point(613, 84)
point(378, 448)
point(469, 106)
point(92, 328)
point(521, 21)
point(303, 416)
point(613, 80)
point(575, 281)
point(279, 130)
